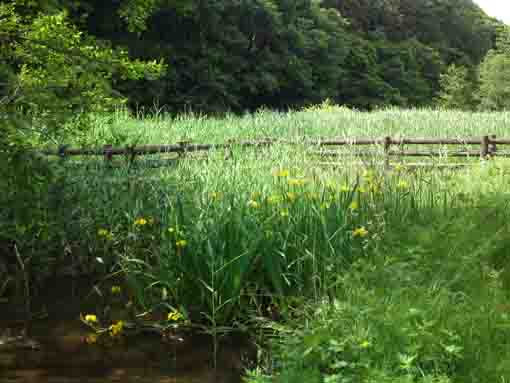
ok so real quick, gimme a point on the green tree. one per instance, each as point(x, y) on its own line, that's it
point(413, 39)
point(363, 85)
point(237, 55)
point(503, 39)
point(495, 74)
point(411, 68)
point(495, 82)
point(457, 90)
point(51, 73)
point(240, 54)
point(58, 72)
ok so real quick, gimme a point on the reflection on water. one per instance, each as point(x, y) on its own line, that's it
point(58, 352)
point(55, 350)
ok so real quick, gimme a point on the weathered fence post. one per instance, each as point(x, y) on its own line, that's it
point(62, 151)
point(108, 155)
point(484, 147)
point(493, 147)
point(182, 149)
point(387, 145)
point(131, 153)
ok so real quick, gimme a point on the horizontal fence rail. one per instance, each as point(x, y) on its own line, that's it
point(487, 147)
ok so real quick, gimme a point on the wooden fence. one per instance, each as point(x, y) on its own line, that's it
point(487, 147)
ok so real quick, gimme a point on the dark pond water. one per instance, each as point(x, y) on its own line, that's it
point(54, 349)
point(60, 353)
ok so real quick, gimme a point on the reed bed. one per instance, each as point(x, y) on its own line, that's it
point(372, 273)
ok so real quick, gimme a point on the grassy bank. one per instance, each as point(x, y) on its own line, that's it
point(373, 274)
point(429, 305)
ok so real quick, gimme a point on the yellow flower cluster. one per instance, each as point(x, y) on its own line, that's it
point(296, 182)
point(116, 289)
point(141, 221)
point(174, 316)
point(90, 318)
point(365, 344)
point(360, 232)
point(281, 173)
point(104, 233)
point(215, 195)
point(181, 243)
point(253, 204)
point(116, 329)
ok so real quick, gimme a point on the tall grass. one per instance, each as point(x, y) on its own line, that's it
point(400, 274)
point(430, 304)
point(263, 224)
point(321, 121)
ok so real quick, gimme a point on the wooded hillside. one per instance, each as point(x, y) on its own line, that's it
point(245, 54)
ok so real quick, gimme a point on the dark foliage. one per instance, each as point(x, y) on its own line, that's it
point(243, 55)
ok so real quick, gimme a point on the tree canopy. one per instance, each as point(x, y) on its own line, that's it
point(52, 71)
point(236, 55)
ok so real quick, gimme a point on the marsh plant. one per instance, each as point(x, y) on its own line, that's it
point(360, 272)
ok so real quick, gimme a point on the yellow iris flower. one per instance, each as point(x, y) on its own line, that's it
point(360, 232)
point(141, 222)
point(116, 290)
point(116, 329)
point(181, 243)
point(174, 316)
point(90, 318)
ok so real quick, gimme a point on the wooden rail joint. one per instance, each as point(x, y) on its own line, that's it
point(484, 147)
point(492, 145)
point(131, 153)
point(108, 153)
point(62, 151)
point(183, 145)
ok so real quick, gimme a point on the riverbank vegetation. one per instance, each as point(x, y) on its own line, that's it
point(351, 271)
point(392, 273)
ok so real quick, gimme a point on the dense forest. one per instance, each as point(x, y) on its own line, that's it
point(247, 54)
point(238, 55)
